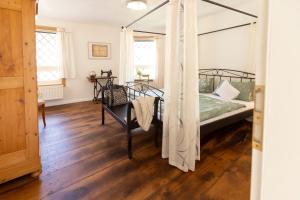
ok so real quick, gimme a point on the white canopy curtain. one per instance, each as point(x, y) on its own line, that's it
point(126, 72)
point(160, 63)
point(181, 133)
point(66, 54)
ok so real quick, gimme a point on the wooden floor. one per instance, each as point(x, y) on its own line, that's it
point(83, 160)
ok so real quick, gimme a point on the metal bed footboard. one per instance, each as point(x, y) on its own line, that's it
point(137, 89)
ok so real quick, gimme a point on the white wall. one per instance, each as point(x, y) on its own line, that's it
point(79, 89)
point(232, 49)
point(281, 149)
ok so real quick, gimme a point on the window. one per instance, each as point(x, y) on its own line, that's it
point(145, 58)
point(47, 57)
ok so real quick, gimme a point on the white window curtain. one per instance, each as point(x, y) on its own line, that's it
point(66, 54)
point(126, 68)
point(160, 66)
point(181, 133)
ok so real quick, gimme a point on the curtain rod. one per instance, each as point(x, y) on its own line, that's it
point(230, 8)
point(215, 31)
point(148, 13)
point(207, 1)
point(155, 33)
point(224, 29)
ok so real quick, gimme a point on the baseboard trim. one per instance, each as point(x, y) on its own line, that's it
point(51, 103)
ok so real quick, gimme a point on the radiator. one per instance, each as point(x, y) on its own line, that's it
point(51, 92)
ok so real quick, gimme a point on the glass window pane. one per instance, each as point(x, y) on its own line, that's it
point(47, 56)
point(145, 57)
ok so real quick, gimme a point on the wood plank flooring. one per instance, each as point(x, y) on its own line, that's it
point(83, 160)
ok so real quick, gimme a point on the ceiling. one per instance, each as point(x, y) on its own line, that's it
point(114, 12)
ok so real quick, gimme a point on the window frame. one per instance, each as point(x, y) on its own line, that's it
point(62, 81)
point(145, 39)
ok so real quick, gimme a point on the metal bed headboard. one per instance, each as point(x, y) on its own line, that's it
point(228, 74)
point(135, 89)
point(142, 89)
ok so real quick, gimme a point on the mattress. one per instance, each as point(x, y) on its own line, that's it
point(247, 106)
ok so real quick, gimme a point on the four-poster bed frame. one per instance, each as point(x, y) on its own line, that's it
point(135, 90)
point(207, 1)
point(122, 113)
point(141, 89)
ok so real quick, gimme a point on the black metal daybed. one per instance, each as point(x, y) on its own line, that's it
point(122, 113)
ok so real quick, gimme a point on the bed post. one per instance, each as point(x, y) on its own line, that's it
point(156, 134)
point(129, 143)
point(103, 116)
point(129, 136)
point(156, 124)
point(102, 108)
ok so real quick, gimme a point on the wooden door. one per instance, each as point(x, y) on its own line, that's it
point(19, 144)
point(259, 111)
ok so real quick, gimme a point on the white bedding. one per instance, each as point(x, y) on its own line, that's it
point(249, 106)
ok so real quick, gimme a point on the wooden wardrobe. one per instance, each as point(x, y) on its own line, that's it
point(19, 143)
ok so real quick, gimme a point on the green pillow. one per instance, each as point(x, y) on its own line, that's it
point(246, 90)
point(206, 85)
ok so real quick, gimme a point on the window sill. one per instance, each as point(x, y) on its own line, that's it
point(52, 83)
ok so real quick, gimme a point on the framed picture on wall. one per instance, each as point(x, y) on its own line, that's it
point(99, 50)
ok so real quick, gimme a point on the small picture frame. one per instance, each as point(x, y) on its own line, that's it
point(99, 50)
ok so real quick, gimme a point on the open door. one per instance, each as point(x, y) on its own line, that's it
point(19, 144)
point(276, 132)
point(258, 116)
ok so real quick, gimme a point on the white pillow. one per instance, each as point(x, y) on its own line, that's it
point(227, 91)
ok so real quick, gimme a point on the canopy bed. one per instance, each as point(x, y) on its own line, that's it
point(215, 112)
point(213, 116)
point(183, 110)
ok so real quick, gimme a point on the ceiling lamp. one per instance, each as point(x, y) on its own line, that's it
point(136, 4)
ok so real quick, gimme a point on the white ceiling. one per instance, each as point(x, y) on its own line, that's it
point(114, 12)
point(106, 11)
